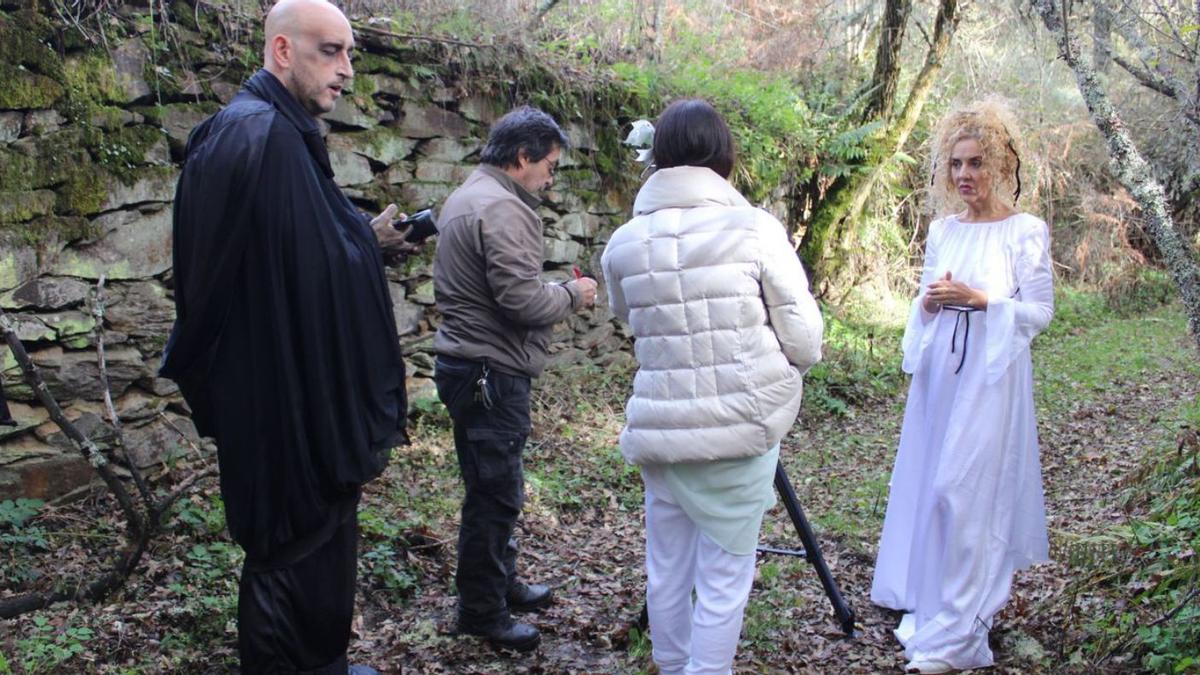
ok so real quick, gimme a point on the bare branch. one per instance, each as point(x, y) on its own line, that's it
point(98, 314)
point(186, 439)
point(123, 565)
point(1147, 78)
point(83, 444)
point(160, 509)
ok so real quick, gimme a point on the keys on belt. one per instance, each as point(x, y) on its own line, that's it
point(483, 394)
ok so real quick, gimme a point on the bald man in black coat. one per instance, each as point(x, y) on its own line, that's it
point(285, 345)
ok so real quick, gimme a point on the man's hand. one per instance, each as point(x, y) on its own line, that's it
point(390, 239)
point(587, 290)
point(947, 291)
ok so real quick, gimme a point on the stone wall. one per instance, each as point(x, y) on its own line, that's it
point(90, 141)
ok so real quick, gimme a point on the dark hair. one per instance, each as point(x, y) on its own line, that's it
point(691, 132)
point(527, 129)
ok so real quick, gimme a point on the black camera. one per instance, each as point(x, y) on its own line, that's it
point(423, 226)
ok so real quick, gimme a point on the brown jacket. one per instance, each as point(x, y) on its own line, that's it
point(487, 276)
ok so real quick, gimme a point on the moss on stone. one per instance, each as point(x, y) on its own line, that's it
point(40, 230)
point(18, 207)
point(84, 190)
point(45, 162)
point(363, 87)
point(122, 150)
point(25, 41)
point(71, 324)
point(367, 62)
point(92, 78)
point(24, 90)
point(16, 171)
point(29, 68)
point(107, 117)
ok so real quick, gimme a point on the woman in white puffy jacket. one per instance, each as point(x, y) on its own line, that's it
point(725, 327)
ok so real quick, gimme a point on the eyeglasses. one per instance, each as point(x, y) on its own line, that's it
point(551, 166)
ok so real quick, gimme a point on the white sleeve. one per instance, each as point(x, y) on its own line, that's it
point(793, 312)
point(1013, 322)
point(616, 296)
point(916, 337)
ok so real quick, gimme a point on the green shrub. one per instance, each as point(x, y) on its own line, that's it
point(1138, 290)
point(47, 648)
point(1076, 310)
point(1160, 620)
point(860, 363)
point(19, 539)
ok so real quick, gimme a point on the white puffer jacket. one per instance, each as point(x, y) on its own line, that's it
point(724, 323)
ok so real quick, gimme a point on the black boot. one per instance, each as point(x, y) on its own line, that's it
point(508, 634)
point(523, 597)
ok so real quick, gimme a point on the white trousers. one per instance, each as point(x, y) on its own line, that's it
point(691, 638)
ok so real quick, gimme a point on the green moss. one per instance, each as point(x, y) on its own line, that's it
point(18, 207)
point(122, 150)
point(46, 228)
point(25, 42)
point(92, 78)
point(24, 90)
point(363, 87)
point(84, 191)
point(107, 117)
point(59, 162)
point(29, 68)
point(17, 171)
point(374, 63)
point(70, 324)
point(161, 114)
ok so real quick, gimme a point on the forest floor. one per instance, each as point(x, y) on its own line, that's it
point(1113, 397)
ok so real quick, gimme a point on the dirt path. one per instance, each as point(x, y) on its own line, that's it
point(1105, 395)
point(593, 550)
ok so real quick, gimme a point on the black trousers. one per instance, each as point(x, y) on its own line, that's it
point(489, 441)
point(294, 611)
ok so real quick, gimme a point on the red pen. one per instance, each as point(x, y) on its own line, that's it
point(578, 274)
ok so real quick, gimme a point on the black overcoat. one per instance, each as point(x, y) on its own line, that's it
point(285, 344)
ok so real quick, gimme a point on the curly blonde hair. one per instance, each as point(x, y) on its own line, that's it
point(991, 123)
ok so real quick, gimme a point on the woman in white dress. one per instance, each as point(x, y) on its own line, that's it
point(966, 509)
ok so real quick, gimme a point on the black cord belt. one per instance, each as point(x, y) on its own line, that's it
point(963, 317)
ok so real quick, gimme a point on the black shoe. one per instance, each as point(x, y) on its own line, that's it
point(510, 635)
point(528, 597)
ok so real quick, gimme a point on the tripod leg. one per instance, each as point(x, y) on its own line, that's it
point(842, 610)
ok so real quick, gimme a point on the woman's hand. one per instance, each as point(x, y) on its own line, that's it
point(947, 291)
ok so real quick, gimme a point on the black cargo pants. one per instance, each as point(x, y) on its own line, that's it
point(489, 436)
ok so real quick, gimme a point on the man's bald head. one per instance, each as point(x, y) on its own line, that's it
point(308, 47)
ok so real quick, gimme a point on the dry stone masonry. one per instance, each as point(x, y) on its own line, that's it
point(90, 143)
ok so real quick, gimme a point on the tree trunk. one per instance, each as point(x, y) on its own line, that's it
point(887, 60)
point(845, 200)
point(540, 13)
point(901, 129)
point(1130, 167)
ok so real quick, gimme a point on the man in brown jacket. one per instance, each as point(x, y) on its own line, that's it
point(497, 317)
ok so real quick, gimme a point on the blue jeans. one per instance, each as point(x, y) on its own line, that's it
point(489, 440)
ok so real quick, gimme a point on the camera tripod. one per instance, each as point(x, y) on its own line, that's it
point(811, 551)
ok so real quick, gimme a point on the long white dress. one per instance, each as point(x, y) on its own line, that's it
point(966, 508)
